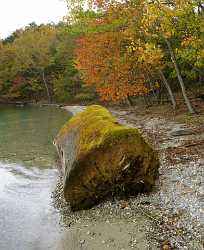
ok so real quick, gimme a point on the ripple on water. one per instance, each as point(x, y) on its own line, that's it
point(27, 177)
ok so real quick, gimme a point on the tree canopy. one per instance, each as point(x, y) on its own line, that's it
point(118, 49)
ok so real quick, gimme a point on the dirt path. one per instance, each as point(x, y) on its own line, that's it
point(171, 217)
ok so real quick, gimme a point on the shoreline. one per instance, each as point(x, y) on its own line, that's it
point(74, 109)
point(170, 216)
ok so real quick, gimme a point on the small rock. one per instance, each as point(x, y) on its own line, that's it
point(124, 205)
point(181, 132)
point(165, 247)
point(82, 242)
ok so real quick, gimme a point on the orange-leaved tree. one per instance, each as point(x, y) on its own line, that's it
point(112, 57)
point(103, 63)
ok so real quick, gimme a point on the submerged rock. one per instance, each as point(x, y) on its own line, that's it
point(100, 157)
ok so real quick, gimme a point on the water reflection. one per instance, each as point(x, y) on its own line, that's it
point(27, 177)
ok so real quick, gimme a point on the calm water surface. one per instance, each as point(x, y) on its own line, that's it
point(27, 178)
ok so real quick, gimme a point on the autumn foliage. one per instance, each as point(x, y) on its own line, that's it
point(113, 59)
point(120, 49)
point(131, 48)
point(110, 59)
point(102, 63)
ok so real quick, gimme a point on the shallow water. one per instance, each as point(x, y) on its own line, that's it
point(27, 177)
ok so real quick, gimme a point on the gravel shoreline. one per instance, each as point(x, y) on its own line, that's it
point(171, 217)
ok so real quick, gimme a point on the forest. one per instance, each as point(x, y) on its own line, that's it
point(112, 96)
point(110, 51)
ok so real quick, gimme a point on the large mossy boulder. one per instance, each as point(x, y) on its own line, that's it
point(100, 157)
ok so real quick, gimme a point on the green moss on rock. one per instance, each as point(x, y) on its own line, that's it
point(94, 125)
point(99, 156)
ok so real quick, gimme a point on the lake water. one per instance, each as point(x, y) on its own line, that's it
point(28, 176)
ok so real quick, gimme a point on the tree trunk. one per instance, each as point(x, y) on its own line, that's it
point(149, 76)
point(147, 101)
point(183, 89)
point(166, 84)
point(129, 101)
point(46, 87)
